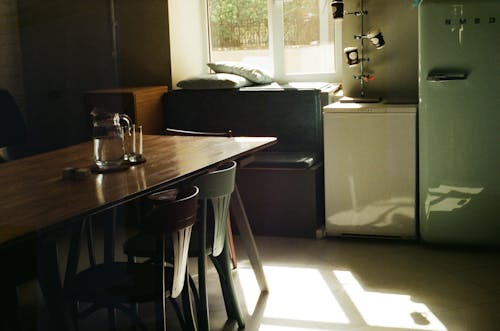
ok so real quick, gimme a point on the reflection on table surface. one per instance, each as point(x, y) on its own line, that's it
point(35, 196)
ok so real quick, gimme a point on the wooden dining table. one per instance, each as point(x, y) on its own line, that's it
point(36, 200)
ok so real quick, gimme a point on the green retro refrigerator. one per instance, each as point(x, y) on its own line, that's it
point(459, 121)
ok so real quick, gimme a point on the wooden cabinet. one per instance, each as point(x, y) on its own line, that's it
point(283, 201)
point(143, 104)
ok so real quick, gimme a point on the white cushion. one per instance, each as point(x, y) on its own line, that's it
point(248, 71)
point(213, 81)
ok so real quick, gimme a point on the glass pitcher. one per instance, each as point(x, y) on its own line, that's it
point(108, 134)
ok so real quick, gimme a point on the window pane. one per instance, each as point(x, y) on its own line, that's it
point(308, 34)
point(239, 32)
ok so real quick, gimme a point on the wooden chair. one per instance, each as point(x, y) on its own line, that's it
point(178, 132)
point(216, 188)
point(228, 133)
point(12, 127)
point(116, 284)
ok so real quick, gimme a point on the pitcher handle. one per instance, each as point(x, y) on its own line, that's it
point(125, 118)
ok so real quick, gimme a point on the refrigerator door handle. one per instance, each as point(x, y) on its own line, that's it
point(439, 76)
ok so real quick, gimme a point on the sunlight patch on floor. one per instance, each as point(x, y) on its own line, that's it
point(264, 327)
point(296, 294)
point(386, 309)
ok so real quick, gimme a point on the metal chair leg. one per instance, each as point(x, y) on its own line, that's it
point(187, 303)
point(223, 265)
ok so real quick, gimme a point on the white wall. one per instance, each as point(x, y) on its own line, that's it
point(11, 74)
point(188, 42)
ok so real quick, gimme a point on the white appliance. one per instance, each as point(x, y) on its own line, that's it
point(370, 169)
point(459, 121)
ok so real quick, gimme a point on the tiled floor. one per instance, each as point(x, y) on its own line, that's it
point(354, 284)
point(340, 284)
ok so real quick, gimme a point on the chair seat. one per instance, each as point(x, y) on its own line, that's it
point(284, 160)
point(215, 188)
point(119, 282)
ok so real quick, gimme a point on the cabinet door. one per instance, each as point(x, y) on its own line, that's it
point(66, 49)
point(370, 174)
point(144, 105)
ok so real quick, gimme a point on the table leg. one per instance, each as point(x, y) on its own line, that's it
point(51, 286)
point(241, 220)
point(20, 266)
point(9, 309)
point(109, 256)
point(110, 237)
point(31, 259)
point(203, 317)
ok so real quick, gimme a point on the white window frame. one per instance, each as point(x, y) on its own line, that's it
point(189, 43)
point(277, 46)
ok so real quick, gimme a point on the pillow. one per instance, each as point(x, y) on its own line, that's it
point(250, 72)
point(213, 81)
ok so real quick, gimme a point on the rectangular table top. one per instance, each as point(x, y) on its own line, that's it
point(35, 197)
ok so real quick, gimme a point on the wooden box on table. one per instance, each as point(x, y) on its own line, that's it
point(142, 104)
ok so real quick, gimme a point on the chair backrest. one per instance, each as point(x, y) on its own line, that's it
point(12, 127)
point(178, 132)
point(174, 212)
point(217, 187)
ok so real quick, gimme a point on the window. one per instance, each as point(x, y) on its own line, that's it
point(296, 40)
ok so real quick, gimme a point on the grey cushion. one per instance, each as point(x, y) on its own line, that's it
point(284, 160)
point(214, 81)
point(248, 71)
